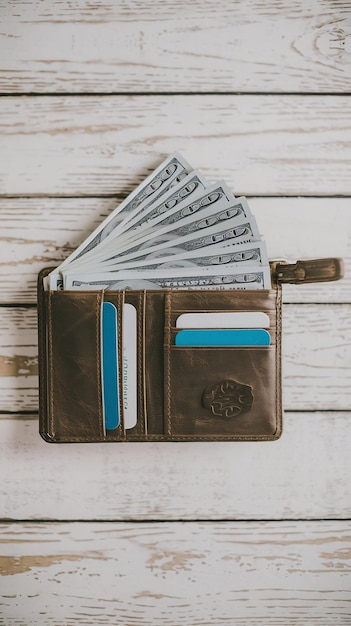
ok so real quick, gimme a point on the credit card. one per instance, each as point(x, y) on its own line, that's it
point(223, 337)
point(129, 365)
point(224, 319)
point(109, 366)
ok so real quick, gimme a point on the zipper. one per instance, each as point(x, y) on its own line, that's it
point(309, 271)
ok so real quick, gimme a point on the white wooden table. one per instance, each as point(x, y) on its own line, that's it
point(93, 97)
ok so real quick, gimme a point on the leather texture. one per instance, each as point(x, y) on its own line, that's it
point(308, 271)
point(184, 393)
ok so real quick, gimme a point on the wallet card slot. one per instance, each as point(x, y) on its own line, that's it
point(75, 372)
point(150, 364)
point(222, 393)
point(154, 316)
point(224, 301)
point(74, 367)
point(175, 331)
point(117, 299)
point(136, 299)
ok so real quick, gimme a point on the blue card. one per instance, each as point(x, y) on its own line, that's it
point(109, 363)
point(223, 337)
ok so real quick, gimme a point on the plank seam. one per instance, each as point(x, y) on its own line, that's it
point(118, 197)
point(153, 94)
point(215, 520)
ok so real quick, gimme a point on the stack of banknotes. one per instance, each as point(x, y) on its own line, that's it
point(176, 230)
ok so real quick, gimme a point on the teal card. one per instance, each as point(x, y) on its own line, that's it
point(223, 337)
point(109, 360)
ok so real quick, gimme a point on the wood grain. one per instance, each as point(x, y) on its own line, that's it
point(316, 372)
point(237, 573)
point(242, 573)
point(271, 145)
point(305, 474)
point(41, 232)
point(153, 46)
point(130, 560)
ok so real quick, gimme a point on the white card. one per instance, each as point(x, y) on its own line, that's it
point(129, 366)
point(224, 319)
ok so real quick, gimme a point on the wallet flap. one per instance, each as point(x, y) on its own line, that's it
point(223, 392)
point(74, 366)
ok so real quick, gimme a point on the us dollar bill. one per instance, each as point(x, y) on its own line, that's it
point(229, 233)
point(175, 278)
point(211, 204)
point(189, 187)
point(221, 233)
point(174, 231)
point(245, 254)
point(207, 216)
point(171, 171)
point(193, 185)
point(217, 195)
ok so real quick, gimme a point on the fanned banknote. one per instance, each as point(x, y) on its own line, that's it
point(176, 230)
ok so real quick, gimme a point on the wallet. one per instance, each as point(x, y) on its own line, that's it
point(184, 393)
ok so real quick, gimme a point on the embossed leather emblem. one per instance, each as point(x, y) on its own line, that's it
point(228, 398)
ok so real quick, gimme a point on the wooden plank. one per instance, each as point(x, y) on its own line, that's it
point(40, 232)
point(165, 46)
point(106, 145)
point(124, 574)
point(19, 359)
point(316, 361)
point(19, 416)
point(305, 474)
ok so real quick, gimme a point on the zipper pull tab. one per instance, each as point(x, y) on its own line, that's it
point(310, 271)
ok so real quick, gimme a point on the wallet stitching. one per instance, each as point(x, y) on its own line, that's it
point(120, 369)
point(120, 358)
point(278, 326)
point(141, 361)
point(120, 432)
point(51, 371)
point(168, 364)
point(43, 374)
point(99, 300)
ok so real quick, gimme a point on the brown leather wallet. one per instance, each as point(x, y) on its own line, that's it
point(184, 393)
